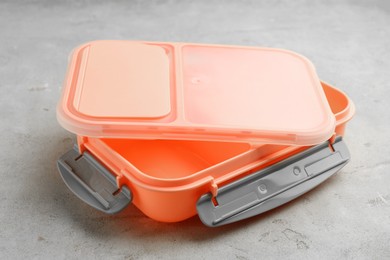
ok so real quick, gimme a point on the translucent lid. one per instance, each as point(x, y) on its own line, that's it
point(125, 89)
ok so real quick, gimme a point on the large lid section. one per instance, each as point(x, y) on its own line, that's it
point(124, 89)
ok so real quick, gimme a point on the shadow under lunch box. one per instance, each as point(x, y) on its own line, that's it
point(225, 132)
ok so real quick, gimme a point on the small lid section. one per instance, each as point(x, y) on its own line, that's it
point(123, 80)
point(125, 89)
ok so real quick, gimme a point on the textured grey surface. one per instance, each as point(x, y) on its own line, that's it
point(347, 217)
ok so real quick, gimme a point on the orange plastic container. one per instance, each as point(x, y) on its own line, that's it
point(171, 123)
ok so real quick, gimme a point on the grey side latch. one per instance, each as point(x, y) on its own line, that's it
point(92, 182)
point(274, 185)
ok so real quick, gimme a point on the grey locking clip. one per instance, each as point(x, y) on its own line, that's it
point(274, 185)
point(92, 182)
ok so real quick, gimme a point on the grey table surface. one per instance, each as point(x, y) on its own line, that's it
point(347, 217)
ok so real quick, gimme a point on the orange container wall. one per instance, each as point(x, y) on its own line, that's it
point(342, 107)
point(169, 159)
point(168, 206)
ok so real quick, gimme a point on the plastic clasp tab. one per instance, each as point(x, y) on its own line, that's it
point(89, 180)
point(274, 185)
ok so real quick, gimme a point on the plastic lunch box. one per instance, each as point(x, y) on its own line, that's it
point(225, 132)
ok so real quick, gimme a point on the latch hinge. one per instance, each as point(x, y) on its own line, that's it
point(92, 182)
point(274, 185)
